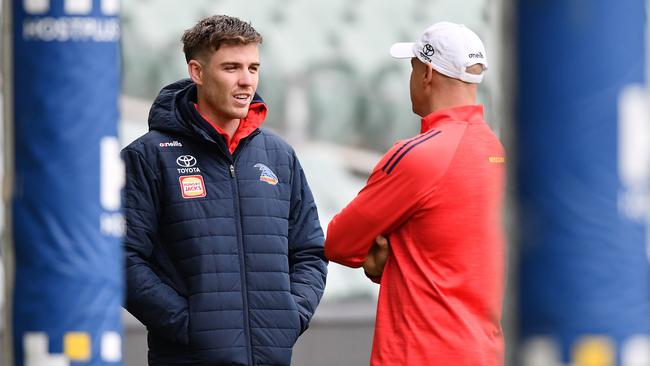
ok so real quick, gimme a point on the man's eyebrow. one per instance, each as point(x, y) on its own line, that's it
point(237, 64)
point(231, 63)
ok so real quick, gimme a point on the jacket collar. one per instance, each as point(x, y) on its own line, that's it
point(466, 113)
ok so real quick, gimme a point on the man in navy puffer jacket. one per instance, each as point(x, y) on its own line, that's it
point(224, 250)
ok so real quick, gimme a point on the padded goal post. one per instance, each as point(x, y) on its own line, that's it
point(584, 295)
point(66, 219)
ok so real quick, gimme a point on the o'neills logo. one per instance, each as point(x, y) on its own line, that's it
point(476, 55)
point(170, 144)
point(192, 186)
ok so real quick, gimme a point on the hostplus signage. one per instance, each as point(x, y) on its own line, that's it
point(71, 20)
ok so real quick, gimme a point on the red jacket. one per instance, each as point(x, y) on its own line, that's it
point(438, 198)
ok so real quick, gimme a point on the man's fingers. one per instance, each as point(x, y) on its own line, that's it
point(382, 242)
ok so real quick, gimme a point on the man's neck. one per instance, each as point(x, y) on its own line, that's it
point(452, 97)
point(229, 126)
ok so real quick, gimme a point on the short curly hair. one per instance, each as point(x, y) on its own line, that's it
point(210, 33)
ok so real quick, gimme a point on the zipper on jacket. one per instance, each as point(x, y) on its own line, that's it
point(242, 263)
point(232, 160)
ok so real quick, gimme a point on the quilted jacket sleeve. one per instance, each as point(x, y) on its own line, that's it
point(157, 305)
point(308, 266)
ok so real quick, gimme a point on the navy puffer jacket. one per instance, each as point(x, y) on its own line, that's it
point(224, 253)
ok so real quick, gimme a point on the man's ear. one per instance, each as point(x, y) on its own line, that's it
point(427, 76)
point(195, 69)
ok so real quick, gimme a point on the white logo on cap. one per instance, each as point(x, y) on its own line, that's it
point(428, 50)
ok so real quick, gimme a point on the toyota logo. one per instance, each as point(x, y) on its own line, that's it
point(186, 161)
point(428, 50)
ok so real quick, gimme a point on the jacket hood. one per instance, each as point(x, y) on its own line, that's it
point(169, 111)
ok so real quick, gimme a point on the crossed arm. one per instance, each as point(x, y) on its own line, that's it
point(376, 259)
point(357, 236)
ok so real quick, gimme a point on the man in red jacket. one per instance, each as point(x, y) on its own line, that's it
point(437, 198)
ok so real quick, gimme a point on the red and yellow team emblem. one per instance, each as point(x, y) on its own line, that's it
point(192, 186)
point(267, 174)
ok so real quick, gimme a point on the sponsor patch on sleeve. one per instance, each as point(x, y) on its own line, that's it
point(192, 186)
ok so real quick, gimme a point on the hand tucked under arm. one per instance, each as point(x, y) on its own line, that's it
point(377, 256)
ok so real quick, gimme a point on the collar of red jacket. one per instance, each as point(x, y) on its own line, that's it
point(466, 113)
point(252, 121)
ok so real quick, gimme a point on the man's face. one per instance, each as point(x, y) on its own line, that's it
point(229, 79)
point(418, 97)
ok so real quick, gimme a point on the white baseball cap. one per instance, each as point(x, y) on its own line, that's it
point(449, 48)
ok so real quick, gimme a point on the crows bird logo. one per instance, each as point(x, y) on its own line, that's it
point(267, 174)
